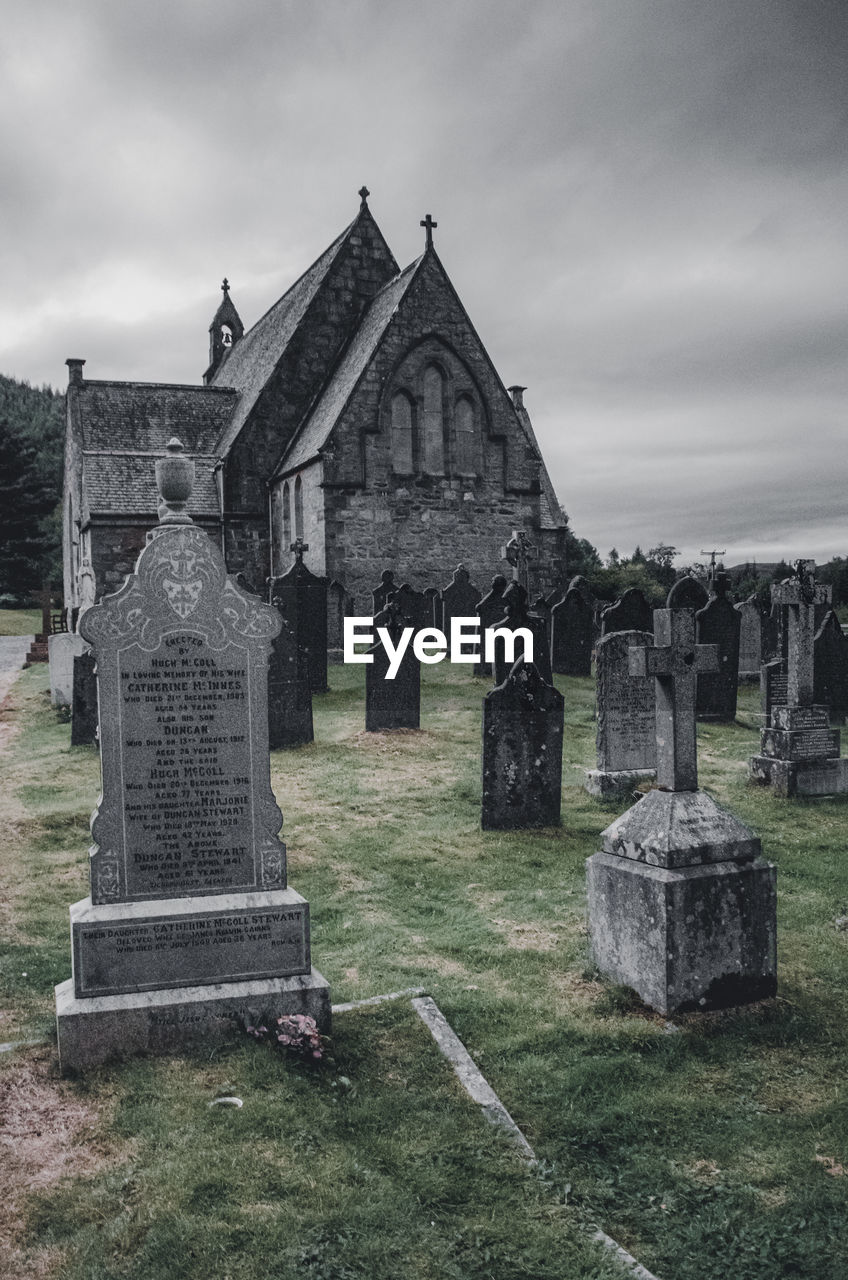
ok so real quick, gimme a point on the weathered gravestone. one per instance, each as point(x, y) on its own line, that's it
point(289, 695)
point(719, 623)
point(62, 649)
point(522, 752)
point(626, 735)
point(830, 668)
point(395, 703)
point(339, 607)
point(750, 639)
point(518, 619)
point(682, 907)
point(84, 704)
point(460, 599)
point(301, 598)
point(542, 610)
point(415, 606)
point(190, 925)
point(490, 611)
point(435, 616)
point(689, 593)
point(387, 588)
point(630, 613)
point(571, 646)
point(799, 752)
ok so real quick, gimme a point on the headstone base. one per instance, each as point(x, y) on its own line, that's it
point(604, 783)
point(106, 1028)
point(800, 777)
point(700, 937)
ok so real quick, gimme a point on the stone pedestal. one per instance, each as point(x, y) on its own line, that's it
point(608, 783)
point(682, 907)
point(799, 753)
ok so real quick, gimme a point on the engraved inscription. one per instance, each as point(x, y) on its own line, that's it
point(626, 732)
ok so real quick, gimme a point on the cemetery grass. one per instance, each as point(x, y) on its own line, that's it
point(20, 622)
point(711, 1146)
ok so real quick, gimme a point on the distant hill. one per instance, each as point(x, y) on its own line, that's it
point(32, 433)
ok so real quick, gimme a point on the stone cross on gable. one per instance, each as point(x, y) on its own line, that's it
point(800, 595)
point(675, 662)
point(428, 224)
point(298, 547)
point(517, 552)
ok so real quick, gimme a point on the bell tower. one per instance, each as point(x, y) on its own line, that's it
point(224, 332)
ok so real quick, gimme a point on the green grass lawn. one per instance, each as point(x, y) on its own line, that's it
point(716, 1146)
point(20, 622)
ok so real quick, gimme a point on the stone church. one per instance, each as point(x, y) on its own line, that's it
point(361, 413)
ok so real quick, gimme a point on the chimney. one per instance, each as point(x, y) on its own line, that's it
point(74, 371)
point(517, 394)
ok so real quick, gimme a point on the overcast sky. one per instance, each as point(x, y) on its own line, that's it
point(641, 203)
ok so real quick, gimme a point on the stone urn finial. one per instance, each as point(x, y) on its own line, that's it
point(175, 481)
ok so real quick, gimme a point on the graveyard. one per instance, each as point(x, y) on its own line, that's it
point(705, 1143)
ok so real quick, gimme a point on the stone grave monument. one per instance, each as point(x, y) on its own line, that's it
point(629, 613)
point(682, 907)
point(392, 704)
point(189, 926)
point(830, 668)
point(571, 644)
point(415, 606)
point(626, 735)
point(719, 623)
point(490, 611)
point(84, 704)
point(522, 752)
point(339, 607)
point(301, 598)
point(460, 599)
point(518, 616)
point(62, 649)
point(289, 695)
point(750, 639)
point(799, 752)
point(387, 588)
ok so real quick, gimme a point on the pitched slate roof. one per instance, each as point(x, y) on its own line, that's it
point(252, 359)
point(317, 428)
point(125, 427)
point(125, 483)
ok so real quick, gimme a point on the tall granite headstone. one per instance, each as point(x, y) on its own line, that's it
point(571, 646)
point(750, 639)
point(459, 599)
point(630, 613)
point(490, 611)
point(301, 598)
point(830, 668)
point(682, 907)
point(396, 703)
point(799, 752)
point(190, 925)
point(522, 752)
point(625, 738)
point(84, 704)
point(719, 623)
point(381, 594)
point(289, 695)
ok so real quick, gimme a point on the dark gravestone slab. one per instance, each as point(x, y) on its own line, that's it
point(190, 923)
point(626, 733)
point(750, 638)
point(459, 599)
point(380, 594)
point(571, 648)
point(631, 613)
point(522, 752)
point(289, 695)
point(84, 705)
point(301, 598)
point(490, 611)
point(579, 583)
point(339, 607)
point(719, 623)
point(554, 597)
point(435, 616)
point(543, 610)
point(688, 593)
point(414, 605)
point(517, 617)
point(396, 703)
point(830, 668)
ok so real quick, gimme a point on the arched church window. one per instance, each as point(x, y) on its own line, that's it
point(287, 538)
point(298, 508)
point(466, 437)
point(402, 457)
point(433, 427)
